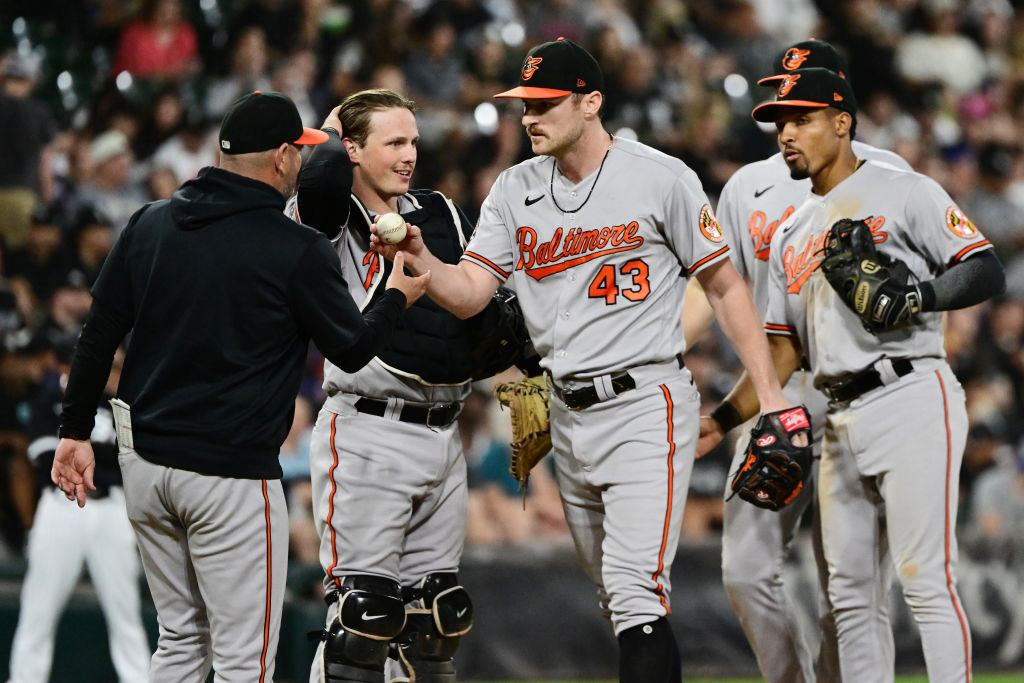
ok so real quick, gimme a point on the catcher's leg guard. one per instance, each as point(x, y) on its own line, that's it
point(370, 613)
point(439, 612)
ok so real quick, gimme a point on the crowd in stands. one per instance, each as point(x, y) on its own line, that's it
point(106, 104)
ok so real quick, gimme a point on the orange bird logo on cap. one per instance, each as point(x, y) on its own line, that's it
point(794, 57)
point(787, 84)
point(530, 66)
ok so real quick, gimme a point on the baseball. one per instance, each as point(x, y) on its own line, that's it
point(391, 228)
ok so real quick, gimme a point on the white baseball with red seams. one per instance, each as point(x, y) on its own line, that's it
point(391, 228)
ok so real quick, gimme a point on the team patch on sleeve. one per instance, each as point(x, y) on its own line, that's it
point(959, 224)
point(709, 224)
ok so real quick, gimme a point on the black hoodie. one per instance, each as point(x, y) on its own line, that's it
point(222, 292)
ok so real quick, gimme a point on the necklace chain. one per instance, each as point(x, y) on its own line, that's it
point(551, 183)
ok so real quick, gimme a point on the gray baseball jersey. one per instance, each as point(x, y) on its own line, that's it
point(599, 269)
point(902, 441)
point(754, 202)
point(381, 465)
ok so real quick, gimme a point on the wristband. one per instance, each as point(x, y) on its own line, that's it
point(726, 416)
point(70, 433)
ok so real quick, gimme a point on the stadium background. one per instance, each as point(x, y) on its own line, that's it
point(127, 116)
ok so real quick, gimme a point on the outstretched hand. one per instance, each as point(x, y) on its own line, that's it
point(73, 467)
point(412, 286)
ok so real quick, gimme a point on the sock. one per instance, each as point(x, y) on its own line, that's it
point(648, 653)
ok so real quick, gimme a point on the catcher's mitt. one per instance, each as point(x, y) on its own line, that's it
point(775, 469)
point(499, 338)
point(874, 285)
point(529, 400)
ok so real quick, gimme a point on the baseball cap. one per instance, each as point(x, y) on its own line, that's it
point(21, 65)
point(557, 68)
point(108, 145)
point(815, 87)
point(260, 121)
point(806, 54)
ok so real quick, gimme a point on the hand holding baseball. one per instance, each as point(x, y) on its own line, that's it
point(391, 228)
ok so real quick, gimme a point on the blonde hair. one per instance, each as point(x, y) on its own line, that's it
point(357, 109)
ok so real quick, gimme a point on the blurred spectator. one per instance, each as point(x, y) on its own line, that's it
point(28, 128)
point(37, 268)
point(434, 67)
point(294, 76)
point(161, 183)
point(939, 54)
point(278, 19)
point(91, 238)
point(190, 149)
point(997, 511)
point(159, 44)
point(110, 189)
point(989, 205)
point(249, 72)
point(165, 118)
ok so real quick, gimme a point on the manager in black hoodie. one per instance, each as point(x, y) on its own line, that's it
point(221, 292)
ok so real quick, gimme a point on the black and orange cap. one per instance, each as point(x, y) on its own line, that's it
point(815, 88)
point(806, 54)
point(260, 121)
point(557, 68)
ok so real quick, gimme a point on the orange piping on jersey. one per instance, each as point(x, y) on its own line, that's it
point(660, 590)
point(966, 250)
point(270, 576)
point(709, 257)
point(330, 505)
point(776, 328)
point(477, 257)
point(949, 577)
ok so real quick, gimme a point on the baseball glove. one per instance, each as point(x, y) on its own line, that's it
point(875, 286)
point(499, 338)
point(529, 400)
point(775, 469)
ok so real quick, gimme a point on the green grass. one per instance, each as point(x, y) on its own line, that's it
point(993, 678)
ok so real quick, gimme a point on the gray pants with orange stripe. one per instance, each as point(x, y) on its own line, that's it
point(623, 469)
point(215, 552)
point(896, 449)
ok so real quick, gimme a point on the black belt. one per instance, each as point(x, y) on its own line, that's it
point(864, 381)
point(440, 415)
point(584, 397)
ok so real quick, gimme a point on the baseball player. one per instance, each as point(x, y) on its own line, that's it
point(896, 423)
point(388, 472)
point(64, 538)
point(756, 200)
point(596, 234)
point(222, 293)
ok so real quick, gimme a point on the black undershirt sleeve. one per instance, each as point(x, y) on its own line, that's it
point(967, 283)
point(325, 183)
point(103, 330)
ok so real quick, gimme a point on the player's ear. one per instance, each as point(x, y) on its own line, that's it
point(592, 102)
point(842, 122)
point(352, 148)
point(280, 154)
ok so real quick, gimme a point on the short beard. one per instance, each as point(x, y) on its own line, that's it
point(799, 173)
